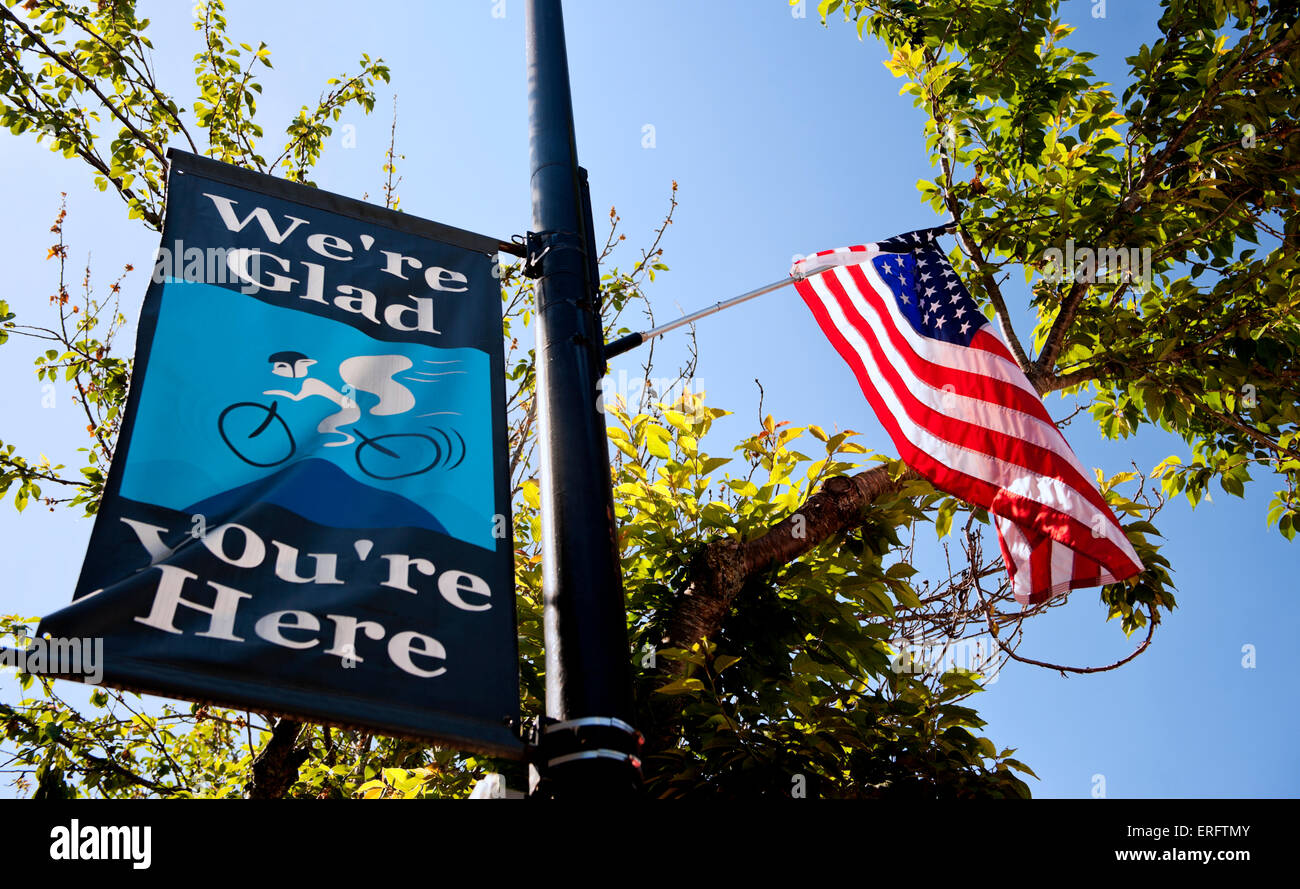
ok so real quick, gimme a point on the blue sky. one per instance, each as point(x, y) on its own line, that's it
point(785, 137)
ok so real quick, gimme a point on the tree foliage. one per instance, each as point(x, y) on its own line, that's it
point(1196, 161)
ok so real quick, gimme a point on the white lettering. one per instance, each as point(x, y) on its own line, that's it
point(168, 598)
point(252, 554)
point(239, 261)
point(364, 303)
point(286, 565)
point(324, 244)
point(397, 260)
point(345, 635)
point(399, 571)
point(271, 626)
point(438, 278)
point(453, 583)
point(423, 310)
point(226, 207)
point(150, 537)
point(403, 645)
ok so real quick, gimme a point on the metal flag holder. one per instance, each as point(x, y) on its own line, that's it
point(632, 340)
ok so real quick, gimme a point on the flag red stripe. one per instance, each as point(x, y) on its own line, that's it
point(987, 340)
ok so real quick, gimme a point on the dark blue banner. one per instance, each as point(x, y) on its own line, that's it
point(308, 508)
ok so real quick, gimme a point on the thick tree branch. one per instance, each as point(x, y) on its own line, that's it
point(1060, 326)
point(720, 570)
point(276, 768)
point(994, 293)
point(1065, 381)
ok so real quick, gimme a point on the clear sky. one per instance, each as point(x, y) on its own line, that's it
point(785, 137)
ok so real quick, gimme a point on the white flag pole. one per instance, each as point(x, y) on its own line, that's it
point(632, 340)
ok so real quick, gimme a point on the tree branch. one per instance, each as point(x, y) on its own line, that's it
point(971, 248)
point(1060, 326)
point(719, 571)
point(72, 68)
point(1151, 629)
point(276, 768)
point(1155, 166)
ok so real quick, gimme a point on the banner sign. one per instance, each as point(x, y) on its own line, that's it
point(308, 509)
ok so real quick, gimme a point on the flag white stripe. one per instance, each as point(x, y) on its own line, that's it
point(1018, 552)
point(1062, 565)
point(820, 262)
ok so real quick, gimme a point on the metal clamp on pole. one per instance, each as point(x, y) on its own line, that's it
point(623, 344)
point(543, 248)
point(585, 740)
point(563, 253)
point(593, 724)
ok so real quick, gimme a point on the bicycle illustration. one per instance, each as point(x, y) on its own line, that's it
point(259, 435)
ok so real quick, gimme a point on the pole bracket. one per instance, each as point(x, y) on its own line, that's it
point(543, 248)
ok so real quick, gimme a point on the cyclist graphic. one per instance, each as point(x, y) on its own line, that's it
point(362, 373)
point(260, 436)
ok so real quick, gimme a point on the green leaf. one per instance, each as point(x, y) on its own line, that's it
point(681, 686)
point(656, 440)
point(722, 662)
point(900, 570)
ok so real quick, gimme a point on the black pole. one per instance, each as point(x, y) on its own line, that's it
point(587, 744)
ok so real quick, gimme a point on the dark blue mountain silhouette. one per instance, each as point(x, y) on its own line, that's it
point(323, 493)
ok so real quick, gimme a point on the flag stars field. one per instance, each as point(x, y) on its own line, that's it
point(943, 301)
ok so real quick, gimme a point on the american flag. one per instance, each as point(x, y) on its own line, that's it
point(961, 412)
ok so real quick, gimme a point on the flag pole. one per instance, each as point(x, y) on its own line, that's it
point(632, 340)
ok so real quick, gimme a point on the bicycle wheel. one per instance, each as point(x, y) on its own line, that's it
point(257, 434)
point(453, 448)
point(397, 455)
